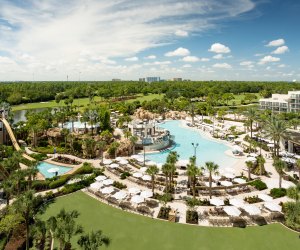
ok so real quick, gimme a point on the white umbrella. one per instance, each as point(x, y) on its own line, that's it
point(252, 209)
point(226, 183)
point(216, 202)
point(134, 190)
point(119, 159)
point(114, 165)
point(120, 195)
point(53, 170)
point(96, 185)
point(232, 211)
point(230, 170)
point(237, 149)
point(212, 184)
point(101, 178)
point(216, 177)
point(140, 159)
point(137, 175)
point(143, 169)
point(135, 156)
point(147, 177)
point(265, 197)
point(250, 159)
point(237, 202)
point(108, 182)
point(229, 175)
point(273, 206)
point(146, 194)
point(239, 180)
point(107, 190)
point(270, 145)
point(253, 155)
point(123, 162)
point(137, 199)
point(107, 161)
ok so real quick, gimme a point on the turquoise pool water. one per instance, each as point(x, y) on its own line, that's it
point(208, 150)
point(45, 166)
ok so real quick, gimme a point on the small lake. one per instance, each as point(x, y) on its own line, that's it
point(19, 115)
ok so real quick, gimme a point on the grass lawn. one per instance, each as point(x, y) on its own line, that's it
point(135, 232)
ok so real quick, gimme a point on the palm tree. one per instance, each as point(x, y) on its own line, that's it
point(261, 164)
point(63, 226)
point(275, 129)
point(152, 171)
point(26, 206)
point(279, 166)
point(294, 192)
point(17, 177)
point(212, 168)
point(39, 233)
point(298, 167)
point(249, 165)
point(251, 115)
point(31, 172)
point(133, 139)
point(93, 241)
point(193, 171)
point(101, 145)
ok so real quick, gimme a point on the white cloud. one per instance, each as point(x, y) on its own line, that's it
point(218, 56)
point(158, 63)
point(132, 59)
point(186, 66)
point(222, 66)
point(182, 33)
point(281, 50)
point(219, 48)
point(190, 59)
point(151, 57)
point(276, 43)
point(178, 52)
point(281, 66)
point(246, 63)
point(204, 59)
point(268, 59)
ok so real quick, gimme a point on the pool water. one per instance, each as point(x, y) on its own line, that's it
point(208, 150)
point(45, 166)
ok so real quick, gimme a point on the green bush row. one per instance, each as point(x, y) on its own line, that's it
point(259, 185)
point(277, 192)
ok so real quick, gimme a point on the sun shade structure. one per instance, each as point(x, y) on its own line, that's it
point(120, 195)
point(123, 162)
point(216, 202)
point(137, 199)
point(96, 185)
point(143, 169)
point(137, 175)
point(216, 177)
point(253, 155)
point(237, 202)
point(212, 184)
point(107, 161)
point(107, 190)
point(232, 211)
point(134, 190)
point(252, 209)
point(265, 197)
point(114, 165)
point(239, 180)
point(146, 194)
point(229, 175)
point(226, 183)
point(146, 178)
point(272, 206)
point(108, 182)
point(101, 178)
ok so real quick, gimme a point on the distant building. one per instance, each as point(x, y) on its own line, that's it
point(142, 79)
point(152, 79)
point(282, 103)
point(116, 80)
point(177, 79)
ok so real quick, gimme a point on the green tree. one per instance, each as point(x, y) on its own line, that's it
point(261, 164)
point(212, 168)
point(133, 140)
point(101, 145)
point(93, 240)
point(152, 171)
point(192, 172)
point(251, 115)
point(279, 166)
point(250, 166)
point(298, 167)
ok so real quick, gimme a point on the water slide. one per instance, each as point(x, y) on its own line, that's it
point(13, 138)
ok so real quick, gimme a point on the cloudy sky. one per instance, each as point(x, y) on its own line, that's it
point(128, 39)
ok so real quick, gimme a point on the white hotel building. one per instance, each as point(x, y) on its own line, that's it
point(282, 103)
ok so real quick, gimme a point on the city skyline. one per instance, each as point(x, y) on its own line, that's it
point(197, 40)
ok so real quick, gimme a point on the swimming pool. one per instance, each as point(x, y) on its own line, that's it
point(45, 166)
point(208, 150)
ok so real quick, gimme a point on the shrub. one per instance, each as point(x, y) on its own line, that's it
point(59, 182)
point(207, 121)
point(204, 202)
point(252, 199)
point(119, 185)
point(164, 213)
point(39, 185)
point(124, 175)
point(277, 192)
point(259, 185)
point(192, 217)
point(85, 169)
point(39, 156)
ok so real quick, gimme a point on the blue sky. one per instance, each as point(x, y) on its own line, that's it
point(128, 39)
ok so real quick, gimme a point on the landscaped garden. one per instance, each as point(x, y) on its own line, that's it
point(130, 231)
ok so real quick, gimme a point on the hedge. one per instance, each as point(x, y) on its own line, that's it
point(259, 185)
point(277, 192)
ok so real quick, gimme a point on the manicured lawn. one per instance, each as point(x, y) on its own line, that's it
point(134, 232)
point(149, 97)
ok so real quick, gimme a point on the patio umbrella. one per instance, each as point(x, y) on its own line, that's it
point(272, 206)
point(252, 209)
point(216, 202)
point(137, 199)
point(237, 202)
point(118, 159)
point(120, 195)
point(53, 170)
point(96, 185)
point(143, 169)
point(107, 161)
point(140, 159)
point(270, 145)
point(114, 165)
point(229, 175)
point(253, 155)
point(265, 197)
point(135, 156)
point(226, 183)
point(146, 194)
point(107, 190)
point(108, 182)
point(212, 184)
point(146, 178)
point(134, 190)
point(137, 175)
point(216, 177)
point(232, 211)
point(251, 159)
point(239, 180)
point(101, 178)
point(123, 162)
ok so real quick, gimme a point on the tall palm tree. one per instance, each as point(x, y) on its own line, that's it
point(275, 129)
point(261, 164)
point(298, 167)
point(17, 177)
point(249, 165)
point(152, 171)
point(31, 172)
point(101, 145)
point(279, 166)
point(212, 168)
point(172, 158)
point(192, 172)
point(93, 241)
point(133, 140)
point(251, 115)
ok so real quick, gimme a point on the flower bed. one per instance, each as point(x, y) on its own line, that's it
point(66, 160)
point(192, 217)
point(164, 213)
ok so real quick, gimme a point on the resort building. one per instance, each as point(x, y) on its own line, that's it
point(282, 103)
point(150, 136)
point(152, 79)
